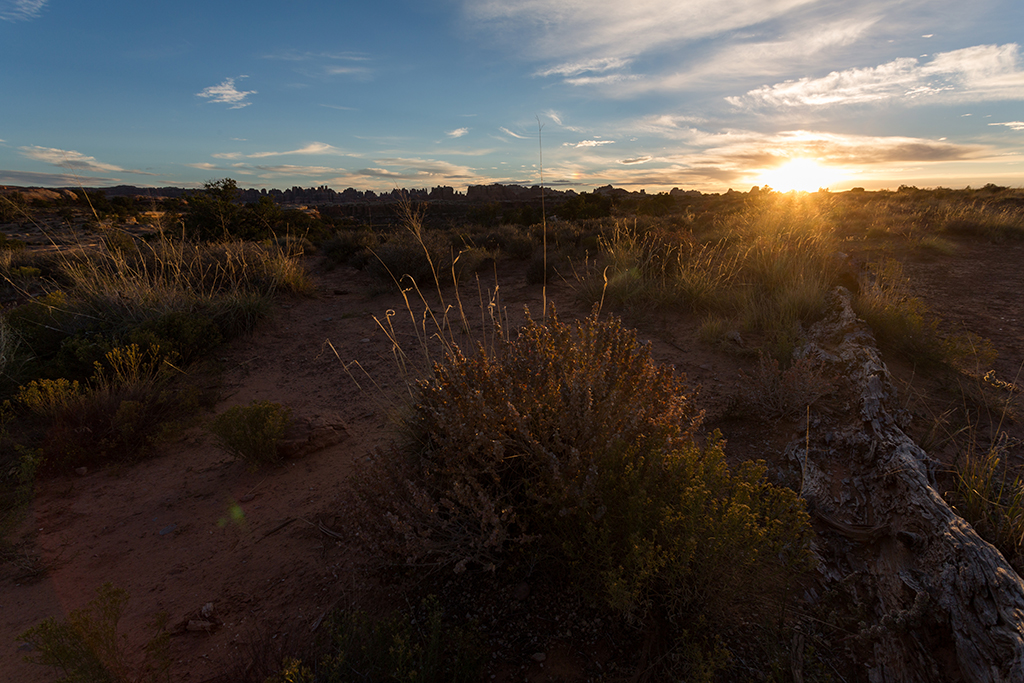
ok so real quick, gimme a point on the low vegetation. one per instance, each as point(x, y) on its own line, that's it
point(558, 452)
point(252, 432)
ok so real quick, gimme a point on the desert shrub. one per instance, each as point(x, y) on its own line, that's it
point(899, 320)
point(184, 335)
point(116, 416)
point(423, 256)
point(88, 648)
point(569, 447)
point(423, 647)
point(989, 493)
point(772, 392)
point(344, 245)
point(509, 240)
point(251, 433)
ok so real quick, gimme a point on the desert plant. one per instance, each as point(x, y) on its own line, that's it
point(116, 416)
point(251, 433)
point(772, 392)
point(989, 493)
point(569, 447)
point(88, 648)
point(898, 319)
point(422, 647)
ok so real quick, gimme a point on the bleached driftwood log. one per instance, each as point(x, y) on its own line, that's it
point(939, 603)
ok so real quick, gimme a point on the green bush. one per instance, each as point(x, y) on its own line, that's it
point(568, 447)
point(87, 647)
point(116, 416)
point(252, 432)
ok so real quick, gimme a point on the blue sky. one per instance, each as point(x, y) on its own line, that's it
point(654, 94)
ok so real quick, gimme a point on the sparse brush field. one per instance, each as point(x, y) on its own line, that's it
point(241, 443)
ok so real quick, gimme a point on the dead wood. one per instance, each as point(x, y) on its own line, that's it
point(938, 603)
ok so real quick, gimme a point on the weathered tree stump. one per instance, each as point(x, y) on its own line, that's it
point(938, 603)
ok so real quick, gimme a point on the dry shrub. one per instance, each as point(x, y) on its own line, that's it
point(251, 433)
point(569, 448)
point(116, 416)
point(775, 393)
point(88, 647)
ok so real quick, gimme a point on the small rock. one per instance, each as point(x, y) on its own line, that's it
point(168, 529)
point(207, 611)
point(199, 625)
point(81, 471)
point(246, 498)
point(539, 657)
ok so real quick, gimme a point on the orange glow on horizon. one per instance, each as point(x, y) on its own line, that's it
point(801, 174)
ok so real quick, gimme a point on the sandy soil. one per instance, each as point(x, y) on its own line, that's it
point(192, 527)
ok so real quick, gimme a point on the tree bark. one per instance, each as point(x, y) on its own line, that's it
point(938, 602)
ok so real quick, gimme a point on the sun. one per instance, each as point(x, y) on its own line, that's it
point(802, 175)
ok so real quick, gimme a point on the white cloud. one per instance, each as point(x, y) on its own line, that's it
point(1012, 125)
point(311, 148)
point(226, 93)
point(982, 72)
point(506, 131)
point(599, 65)
point(21, 10)
point(416, 168)
point(588, 143)
point(69, 159)
point(346, 71)
point(457, 133)
point(612, 29)
point(28, 178)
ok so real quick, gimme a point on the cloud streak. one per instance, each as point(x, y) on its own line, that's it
point(614, 30)
point(457, 133)
point(72, 160)
point(225, 92)
point(978, 73)
point(21, 10)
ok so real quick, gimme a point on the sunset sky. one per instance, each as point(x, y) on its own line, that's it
point(654, 94)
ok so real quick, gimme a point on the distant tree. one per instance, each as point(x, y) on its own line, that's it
point(214, 213)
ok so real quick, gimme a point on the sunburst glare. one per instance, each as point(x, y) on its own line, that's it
point(802, 175)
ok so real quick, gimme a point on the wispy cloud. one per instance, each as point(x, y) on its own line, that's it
point(506, 131)
point(325, 63)
point(417, 168)
point(982, 72)
point(611, 29)
point(1012, 125)
point(28, 178)
point(588, 143)
point(599, 65)
point(306, 56)
point(225, 92)
point(635, 160)
point(457, 133)
point(315, 148)
point(311, 148)
point(21, 10)
point(72, 160)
